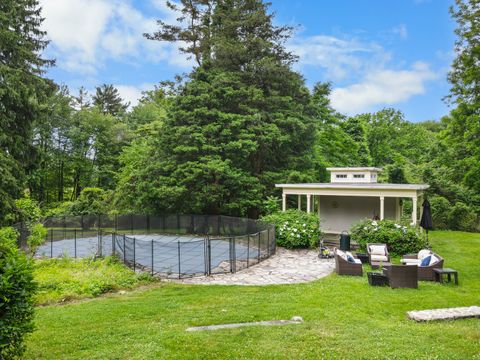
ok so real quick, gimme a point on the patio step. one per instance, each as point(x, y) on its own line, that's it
point(445, 314)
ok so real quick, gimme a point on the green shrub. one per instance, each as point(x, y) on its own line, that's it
point(462, 217)
point(59, 209)
point(399, 239)
point(440, 209)
point(16, 296)
point(295, 229)
point(36, 238)
point(91, 201)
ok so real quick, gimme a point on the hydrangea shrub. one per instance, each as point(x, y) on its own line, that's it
point(400, 239)
point(295, 229)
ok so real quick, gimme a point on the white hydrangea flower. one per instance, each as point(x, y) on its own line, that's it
point(365, 228)
point(374, 223)
point(298, 235)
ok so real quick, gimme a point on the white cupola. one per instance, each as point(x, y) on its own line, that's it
point(354, 174)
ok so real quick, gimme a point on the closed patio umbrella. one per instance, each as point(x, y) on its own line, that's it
point(426, 222)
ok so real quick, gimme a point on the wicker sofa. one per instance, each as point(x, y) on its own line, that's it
point(344, 267)
point(425, 273)
point(402, 276)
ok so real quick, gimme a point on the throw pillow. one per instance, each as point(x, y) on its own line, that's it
point(350, 259)
point(426, 261)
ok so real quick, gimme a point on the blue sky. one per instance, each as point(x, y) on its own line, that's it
point(376, 53)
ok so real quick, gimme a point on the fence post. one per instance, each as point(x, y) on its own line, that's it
point(51, 243)
point(124, 249)
point(234, 256)
point(75, 242)
point(152, 258)
point(179, 269)
point(134, 259)
point(100, 241)
point(268, 241)
point(259, 239)
point(64, 228)
point(113, 243)
point(231, 254)
point(209, 254)
point(248, 250)
point(274, 240)
point(205, 260)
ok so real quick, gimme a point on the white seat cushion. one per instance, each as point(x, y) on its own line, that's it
point(379, 258)
point(433, 260)
point(357, 261)
point(378, 249)
point(411, 261)
point(342, 254)
point(423, 253)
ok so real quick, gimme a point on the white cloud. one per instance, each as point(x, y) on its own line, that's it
point(382, 87)
point(132, 93)
point(362, 74)
point(401, 30)
point(87, 33)
point(339, 58)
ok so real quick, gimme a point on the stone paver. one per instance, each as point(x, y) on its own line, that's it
point(285, 267)
point(445, 314)
point(293, 320)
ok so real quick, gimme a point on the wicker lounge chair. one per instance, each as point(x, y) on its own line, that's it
point(376, 257)
point(402, 276)
point(426, 273)
point(344, 267)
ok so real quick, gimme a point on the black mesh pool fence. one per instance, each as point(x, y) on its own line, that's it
point(166, 246)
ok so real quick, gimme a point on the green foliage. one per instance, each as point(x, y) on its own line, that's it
point(16, 292)
point(27, 210)
point(22, 93)
point(440, 208)
point(271, 205)
point(462, 217)
point(400, 239)
point(108, 100)
point(58, 209)
point(243, 120)
point(64, 279)
point(92, 201)
point(295, 229)
point(36, 238)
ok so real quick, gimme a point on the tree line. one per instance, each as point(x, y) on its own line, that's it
point(217, 140)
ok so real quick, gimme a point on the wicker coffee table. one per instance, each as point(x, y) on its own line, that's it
point(377, 264)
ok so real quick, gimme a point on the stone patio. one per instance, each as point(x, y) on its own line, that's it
point(285, 267)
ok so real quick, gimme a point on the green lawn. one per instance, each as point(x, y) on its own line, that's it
point(66, 279)
point(344, 318)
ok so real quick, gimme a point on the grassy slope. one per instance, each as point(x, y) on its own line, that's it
point(344, 318)
point(67, 279)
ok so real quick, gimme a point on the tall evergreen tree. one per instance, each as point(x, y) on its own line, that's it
point(22, 89)
point(108, 100)
point(462, 134)
point(241, 122)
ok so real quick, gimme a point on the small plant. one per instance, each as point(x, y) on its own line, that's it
point(295, 229)
point(400, 239)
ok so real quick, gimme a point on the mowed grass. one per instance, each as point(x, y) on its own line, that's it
point(344, 318)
